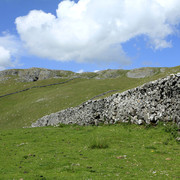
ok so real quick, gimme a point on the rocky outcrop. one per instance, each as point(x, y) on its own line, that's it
point(142, 72)
point(150, 103)
point(110, 73)
point(35, 74)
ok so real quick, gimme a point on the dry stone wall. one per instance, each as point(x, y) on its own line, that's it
point(150, 103)
point(33, 87)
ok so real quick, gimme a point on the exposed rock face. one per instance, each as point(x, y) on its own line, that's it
point(35, 74)
point(12, 72)
point(110, 73)
point(4, 78)
point(150, 103)
point(141, 73)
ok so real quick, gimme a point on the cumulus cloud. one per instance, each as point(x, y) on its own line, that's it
point(5, 58)
point(94, 30)
point(10, 50)
point(80, 71)
point(96, 71)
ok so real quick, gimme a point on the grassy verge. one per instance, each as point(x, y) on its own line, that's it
point(104, 152)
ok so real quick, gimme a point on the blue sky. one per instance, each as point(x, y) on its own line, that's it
point(89, 35)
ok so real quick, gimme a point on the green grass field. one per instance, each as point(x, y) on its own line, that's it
point(104, 152)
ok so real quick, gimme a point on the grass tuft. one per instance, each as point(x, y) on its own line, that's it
point(98, 143)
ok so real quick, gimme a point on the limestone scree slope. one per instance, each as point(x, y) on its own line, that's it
point(147, 104)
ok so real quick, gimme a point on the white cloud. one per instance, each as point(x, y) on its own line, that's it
point(80, 71)
point(10, 50)
point(94, 30)
point(5, 58)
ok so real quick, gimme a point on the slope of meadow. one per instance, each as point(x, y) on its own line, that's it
point(21, 109)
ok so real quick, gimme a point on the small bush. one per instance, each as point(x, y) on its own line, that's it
point(98, 143)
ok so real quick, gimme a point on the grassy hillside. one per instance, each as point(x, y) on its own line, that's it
point(120, 151)
point(104, 152)
point(22, 109)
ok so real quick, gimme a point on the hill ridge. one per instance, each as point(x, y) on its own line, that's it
point(36, 74)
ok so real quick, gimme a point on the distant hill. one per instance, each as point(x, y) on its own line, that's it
point(37, 74)
point(36, 92)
